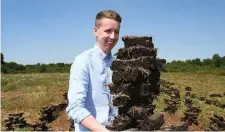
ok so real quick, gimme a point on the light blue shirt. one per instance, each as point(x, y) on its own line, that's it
point(87, 93)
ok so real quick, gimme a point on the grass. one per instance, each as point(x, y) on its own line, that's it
point(202, 85)
point(28, 93)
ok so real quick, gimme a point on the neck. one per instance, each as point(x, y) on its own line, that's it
point(106, 52)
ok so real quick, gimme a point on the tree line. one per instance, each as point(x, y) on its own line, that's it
point(189, 65)
point(216, 63)
point(13, 67)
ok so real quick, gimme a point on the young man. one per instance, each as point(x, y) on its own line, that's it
point(89, 98)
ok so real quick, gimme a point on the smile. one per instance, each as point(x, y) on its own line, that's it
point(110, 42)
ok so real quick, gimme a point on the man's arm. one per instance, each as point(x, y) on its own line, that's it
point(78, 87)
point(90, 123)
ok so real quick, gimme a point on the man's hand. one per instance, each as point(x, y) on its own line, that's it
point(92, 124)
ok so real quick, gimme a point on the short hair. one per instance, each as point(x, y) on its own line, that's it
point(110, 14)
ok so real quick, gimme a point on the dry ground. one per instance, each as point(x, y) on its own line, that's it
point(28, 93)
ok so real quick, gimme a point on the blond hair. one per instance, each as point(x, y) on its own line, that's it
point(110, 14)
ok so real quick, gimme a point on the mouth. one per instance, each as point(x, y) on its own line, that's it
point(110, 42)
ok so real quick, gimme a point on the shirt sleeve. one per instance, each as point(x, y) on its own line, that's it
point(78, 87)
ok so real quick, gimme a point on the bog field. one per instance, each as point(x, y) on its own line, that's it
point(41, 98)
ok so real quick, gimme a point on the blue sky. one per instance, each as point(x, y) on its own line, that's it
point(51, 31)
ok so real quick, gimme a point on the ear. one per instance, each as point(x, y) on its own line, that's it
point(95, 31)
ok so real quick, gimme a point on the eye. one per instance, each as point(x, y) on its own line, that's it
point(117, 31)
point(108, 31)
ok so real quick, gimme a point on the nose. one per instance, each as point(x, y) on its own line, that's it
point(112, 35)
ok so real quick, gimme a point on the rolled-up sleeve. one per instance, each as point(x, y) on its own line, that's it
point(78, 87)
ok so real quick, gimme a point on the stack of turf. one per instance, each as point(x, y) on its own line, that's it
point(136, 76)
point(191, 113)
point(15, 121)
point(217, 123)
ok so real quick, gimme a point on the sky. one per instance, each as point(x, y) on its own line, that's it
point(52, 31)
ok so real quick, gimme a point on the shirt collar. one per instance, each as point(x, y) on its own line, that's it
point(101, 54)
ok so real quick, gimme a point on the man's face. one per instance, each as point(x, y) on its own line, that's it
point(107, 34)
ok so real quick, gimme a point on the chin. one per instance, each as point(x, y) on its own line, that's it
point(108, 49)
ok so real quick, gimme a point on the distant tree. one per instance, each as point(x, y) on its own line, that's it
point(207, 62)
point(3, 69)
point(216, 56)
point(2, 59)
point(223, 61)
point(196, 61)
point(38, 64)
point(20, 67)
point(189, 61)
point(217, 60)
point(42, 68)
point(60, 64)
point(12, 65)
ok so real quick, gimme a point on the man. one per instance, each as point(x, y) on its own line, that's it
point(89, 96)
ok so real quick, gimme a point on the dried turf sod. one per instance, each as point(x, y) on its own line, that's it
point(143, 62)
point(151, 123)
point(135, 52)
point(217, 123)
point(130, 74)
point(120, 122)
point(138, 113)
point(136, 76)
point(120, 100)
point(145, 89)
point(124, 88)
point(145, 41)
